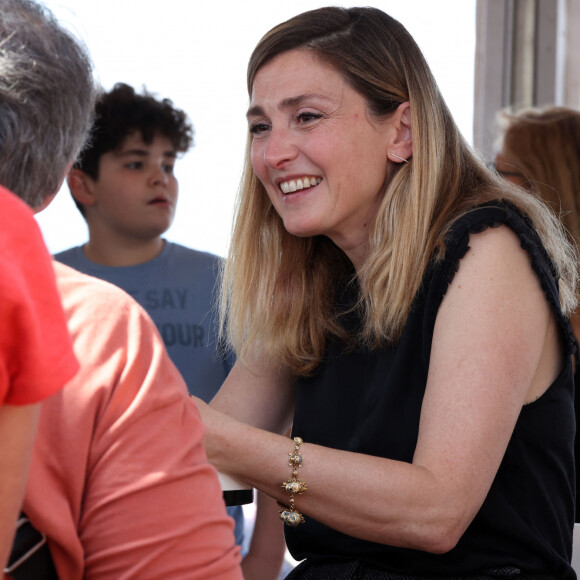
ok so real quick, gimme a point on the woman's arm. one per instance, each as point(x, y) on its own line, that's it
point(495, 348)
point(262, 395)
point(266, 554)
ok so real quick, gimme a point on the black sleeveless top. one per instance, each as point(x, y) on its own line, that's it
point(370, 402)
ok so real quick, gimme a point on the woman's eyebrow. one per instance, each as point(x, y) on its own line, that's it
point(287, 103)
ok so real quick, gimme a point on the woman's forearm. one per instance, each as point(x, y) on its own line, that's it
point(371, 498)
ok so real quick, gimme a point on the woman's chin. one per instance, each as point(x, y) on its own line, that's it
point(302, 230)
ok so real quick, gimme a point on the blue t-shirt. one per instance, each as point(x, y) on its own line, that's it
point(178, 290)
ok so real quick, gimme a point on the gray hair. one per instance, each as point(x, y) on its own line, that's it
point(47, 93)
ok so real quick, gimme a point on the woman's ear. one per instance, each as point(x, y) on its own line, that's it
point(401, 148)
point(79, 184)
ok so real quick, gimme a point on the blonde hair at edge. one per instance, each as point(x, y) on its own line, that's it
point(279, 290)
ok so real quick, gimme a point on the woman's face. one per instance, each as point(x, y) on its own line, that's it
point(320, 156)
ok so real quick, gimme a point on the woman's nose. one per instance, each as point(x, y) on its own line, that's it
point(279, 149)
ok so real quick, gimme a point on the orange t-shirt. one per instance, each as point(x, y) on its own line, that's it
point(119, 480)
point(36, 356)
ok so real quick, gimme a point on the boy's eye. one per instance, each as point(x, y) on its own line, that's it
point(168, 169)
point(134, 165)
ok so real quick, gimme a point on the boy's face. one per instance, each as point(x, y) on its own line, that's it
point(136, 192)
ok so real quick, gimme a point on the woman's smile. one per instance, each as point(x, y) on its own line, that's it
point(299, 184)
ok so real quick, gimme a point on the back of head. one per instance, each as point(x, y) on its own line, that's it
point(46, 99)
point(121, 112)
point(544, 146)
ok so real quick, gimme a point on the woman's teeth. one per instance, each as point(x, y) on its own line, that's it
point(297, 184)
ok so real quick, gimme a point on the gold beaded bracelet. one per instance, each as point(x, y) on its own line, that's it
point(289, 514)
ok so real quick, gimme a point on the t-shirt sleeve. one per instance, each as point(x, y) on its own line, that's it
point(36, 355)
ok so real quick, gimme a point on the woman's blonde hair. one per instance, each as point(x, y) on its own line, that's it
point(279, 290)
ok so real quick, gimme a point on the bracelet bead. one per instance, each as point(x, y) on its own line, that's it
point(289, 514)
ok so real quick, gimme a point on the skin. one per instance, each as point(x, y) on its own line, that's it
point(490, 356)
point(508, 169)
point(266, 554)
point(18, 426)
point(310, 122)
point(131, 203)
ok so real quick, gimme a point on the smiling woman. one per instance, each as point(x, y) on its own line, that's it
point(322, 131)
point(404, 314)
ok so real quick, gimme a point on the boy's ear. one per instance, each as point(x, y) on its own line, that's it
point(79, 184)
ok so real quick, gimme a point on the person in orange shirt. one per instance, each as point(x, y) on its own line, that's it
point(36, 356)
point(119, 480)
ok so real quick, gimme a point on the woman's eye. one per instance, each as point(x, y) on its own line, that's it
point(258, 128)
point(305, 117)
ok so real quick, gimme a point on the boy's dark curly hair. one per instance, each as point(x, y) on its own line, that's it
point(122, 111)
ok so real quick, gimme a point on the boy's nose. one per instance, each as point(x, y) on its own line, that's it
point(159, 176)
